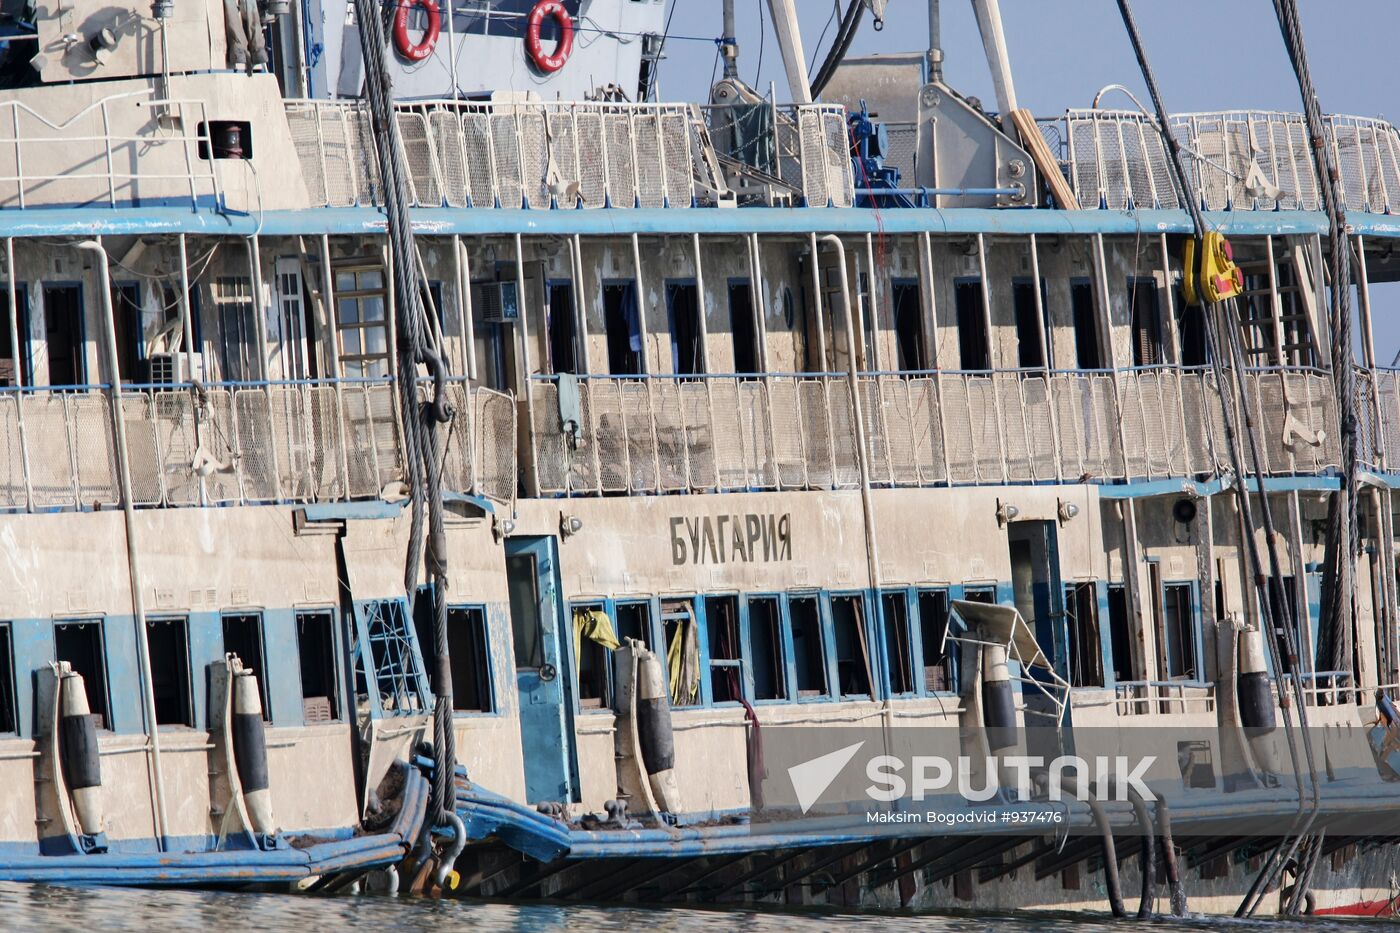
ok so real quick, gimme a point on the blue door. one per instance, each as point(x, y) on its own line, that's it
point(532, 575)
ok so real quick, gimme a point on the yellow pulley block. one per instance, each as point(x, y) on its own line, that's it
point(1217, 276)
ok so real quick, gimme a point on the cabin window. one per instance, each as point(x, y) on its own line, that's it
point(469, 649)
point(1146, 316)
point(623, 322)
point(8, 377)
point(80, 644)
point(726, 664)
point(63, 334)
point(933, 623)
point(766, 649)
point(1179, 618)
point(853, 669)
point(169, 644)
point(974, 343)
point(1088, 353)
point(1191, 325)
point(563, 343)
point(243, 636)
point(1031, 332)
point(909, 327)
point(9, 718)
point(362, 322)
point(126, 316)
point(743, 323)
point(593, 661)
point(683, 304)
point(680, 633)
point(808, 646)
point(1119, 636)
point(1085, 644)
point(237, 332)
point(633, 620)
point(899, 657)
point(320, 698)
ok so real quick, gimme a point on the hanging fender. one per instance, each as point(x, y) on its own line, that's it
point(250, 749)
point(534, 45)
point(82, 768)
point(407, 49)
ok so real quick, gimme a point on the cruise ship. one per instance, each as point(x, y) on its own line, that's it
point(429, 462)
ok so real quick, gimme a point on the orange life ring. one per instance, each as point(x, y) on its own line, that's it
point(416, 52)
point(534, 46)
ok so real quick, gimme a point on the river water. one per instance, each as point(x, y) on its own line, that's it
point(41, 907)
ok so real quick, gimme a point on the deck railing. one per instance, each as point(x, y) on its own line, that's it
point(238, 444)
point(566, 155)
point(713, 433)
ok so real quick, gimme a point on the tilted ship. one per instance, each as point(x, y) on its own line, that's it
point(430, 461)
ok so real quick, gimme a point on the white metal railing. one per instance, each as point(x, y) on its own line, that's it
point(805, 148)
point(116, 151)
point(1238, 160)
point(1150, 697)
point(713, 433)
point(550, 154)
point(241, 443)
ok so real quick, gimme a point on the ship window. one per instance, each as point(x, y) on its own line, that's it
point(808, 646)
point(7, 352)
point(678, 629)
point(1180, 623)
point(898, 655)
point(1191, 324)
point(683, 301)
point(316, 648)
point(594, 662)
point(469, 649)
point(1087, 354)
point(853, 674)
point(632, 620)
point(726, 666)
point(169, 644)
point(243, 637)
point(563, 354)
point(744, 328)
point(1147, 322)
point(238, 341)
point(126, 316)
point(63, 334)
point(1085, 645)
point(80, 644)
point(623, 323)
point(9, 720)
point(933, 622)
point(361, 320)
point(909, 327)
point(974, 343)
point(1030, 327)
point(766, 642)
point(1119, 636)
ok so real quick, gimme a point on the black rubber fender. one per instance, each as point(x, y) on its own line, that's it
point(654, 733)
point(1257, 713)
point(82, 767)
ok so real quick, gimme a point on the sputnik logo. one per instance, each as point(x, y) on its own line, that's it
point(811, 778)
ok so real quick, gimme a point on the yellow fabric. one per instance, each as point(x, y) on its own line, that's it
point(683, 663)
point(594, 625)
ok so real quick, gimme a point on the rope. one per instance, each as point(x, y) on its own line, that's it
point(420, 419)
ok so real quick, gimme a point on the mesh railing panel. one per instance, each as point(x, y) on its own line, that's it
point(451, 156)
point(12, 489)
point(534, 157)
point(651, 171)
point(51, 465)
point(479, 157)
point(592, 159)
point(419, 159)
point(622, 178)
point(505, 154)
point(495, 451)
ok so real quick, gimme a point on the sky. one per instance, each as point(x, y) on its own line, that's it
point(1207, 55)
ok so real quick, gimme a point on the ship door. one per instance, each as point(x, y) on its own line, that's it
point(532, 574)
point(1040, 598)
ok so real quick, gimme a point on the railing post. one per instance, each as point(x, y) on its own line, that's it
point(187, 335)
point(700, 309)
point(19, 371)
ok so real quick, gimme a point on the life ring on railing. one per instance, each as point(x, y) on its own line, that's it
point(534, 45)
point(424, 47)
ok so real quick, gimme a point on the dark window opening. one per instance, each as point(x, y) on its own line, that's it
point(126, 316)
point(766, 643)
point(1119, 634)
point(974, 343)
point(563, 355)
point(594, 665)
point(63, 334)
point(243, 637)
point(726, 666)
point(899, 657)
point(8, 377)
point(169, 644)
point(469, 652)
point(743, 325)
point(1088, 353)
point(1191, 323)
point(909, 327)
point(933, 623)
point(623, 323)
point(80, 644)
point(1146, 315)
point(681, 637)
point(9, 719)
point(809, 651)
point(684, 303)
point(853, 674)
point(1085, 644)
point(316, 649)
point(633, 621)
point(1030, 325)
point(981, 594)
point(1179, 610)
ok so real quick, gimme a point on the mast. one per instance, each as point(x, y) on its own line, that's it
point(935, 43)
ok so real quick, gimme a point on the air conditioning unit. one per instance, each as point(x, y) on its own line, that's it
point(499, 302)
point(168, 368)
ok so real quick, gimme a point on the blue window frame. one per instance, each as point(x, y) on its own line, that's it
point(851, 641)
point(809, 640)
point(765, 634)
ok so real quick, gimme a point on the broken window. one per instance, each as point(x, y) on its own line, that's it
point(1085, 645)
point(808, 646)
point(1179, 618)
point(933, 624)
point(899, 658)
point(316, 649)
point(766, 649)
point(974, 343)
point(1145, 312)
point(168, 643)
point(80, 644)
point(909, 327)
point(1088, 353)
point(726, 664)
point(1031, 335)
point(243, 636)
point(853, 669)
point(468, 648)
point(9, 718)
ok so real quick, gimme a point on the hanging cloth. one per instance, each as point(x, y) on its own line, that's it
point(683, 660)
point(593, 624)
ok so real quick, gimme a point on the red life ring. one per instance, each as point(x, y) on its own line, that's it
point(534, 46)
point(406, 48)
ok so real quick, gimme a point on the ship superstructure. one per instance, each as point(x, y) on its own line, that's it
point(753, 405)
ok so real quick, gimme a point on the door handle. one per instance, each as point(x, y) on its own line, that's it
point(548, 672)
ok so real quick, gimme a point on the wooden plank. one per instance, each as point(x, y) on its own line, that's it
point(1045, 160)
